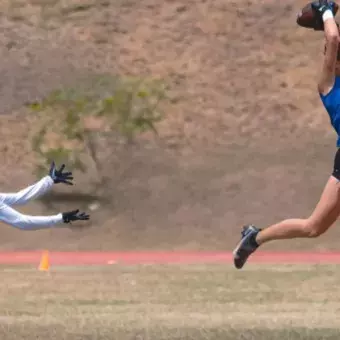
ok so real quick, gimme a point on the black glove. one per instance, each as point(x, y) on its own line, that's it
point(319, 8)
point(59, 176)
point(75, 216)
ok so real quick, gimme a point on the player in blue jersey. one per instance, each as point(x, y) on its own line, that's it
point(327, 210)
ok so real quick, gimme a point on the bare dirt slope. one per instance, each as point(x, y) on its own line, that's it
point(245, 137)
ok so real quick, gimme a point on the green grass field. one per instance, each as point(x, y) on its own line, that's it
point(170, 302)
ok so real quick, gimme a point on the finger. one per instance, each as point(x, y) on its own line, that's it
point(84, 216)
point(68, 183)
point(52, 168)
point(62, 168)
point(68, 177)
point(64, 179)
point(67, 174)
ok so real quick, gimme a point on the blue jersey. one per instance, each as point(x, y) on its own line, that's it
point(331, 101)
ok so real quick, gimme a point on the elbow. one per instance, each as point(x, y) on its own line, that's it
point(21, 223)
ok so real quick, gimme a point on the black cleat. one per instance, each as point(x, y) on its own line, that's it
point(246, 246)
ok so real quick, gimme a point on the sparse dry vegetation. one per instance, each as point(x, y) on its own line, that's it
point(73, 125)
point(170, 302)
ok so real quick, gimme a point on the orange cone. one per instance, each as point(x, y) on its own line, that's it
point(44, 262)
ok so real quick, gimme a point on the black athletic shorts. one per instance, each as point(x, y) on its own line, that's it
point(336, 168)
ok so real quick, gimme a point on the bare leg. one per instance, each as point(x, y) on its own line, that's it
point(325, 214)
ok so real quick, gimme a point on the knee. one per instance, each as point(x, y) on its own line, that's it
point(313, 230)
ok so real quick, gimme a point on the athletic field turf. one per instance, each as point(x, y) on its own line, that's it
point(170, 301)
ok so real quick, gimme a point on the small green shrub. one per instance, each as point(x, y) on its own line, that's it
point(68, 122)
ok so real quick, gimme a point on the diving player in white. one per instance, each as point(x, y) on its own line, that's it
point(26, 222)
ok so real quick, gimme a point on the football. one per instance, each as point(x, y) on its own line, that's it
point(307, 17)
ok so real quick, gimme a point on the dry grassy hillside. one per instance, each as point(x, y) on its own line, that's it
point(237, 143)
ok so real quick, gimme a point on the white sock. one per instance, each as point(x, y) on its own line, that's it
point(327, 15)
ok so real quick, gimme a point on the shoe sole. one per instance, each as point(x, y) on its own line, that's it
point(244, 239)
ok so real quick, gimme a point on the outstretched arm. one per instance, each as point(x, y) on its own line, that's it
point(38, 189)
point(27, 222)
point(32, 192)
point(331, 31)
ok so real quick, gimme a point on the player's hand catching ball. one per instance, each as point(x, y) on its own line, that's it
point(311, 15)
point(319, 8)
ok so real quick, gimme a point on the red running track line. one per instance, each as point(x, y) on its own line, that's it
point(102, 258)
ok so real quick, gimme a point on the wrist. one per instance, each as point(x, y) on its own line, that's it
point(64, 217)
point(327, 15)
point(50, 179)
point(60, 218)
